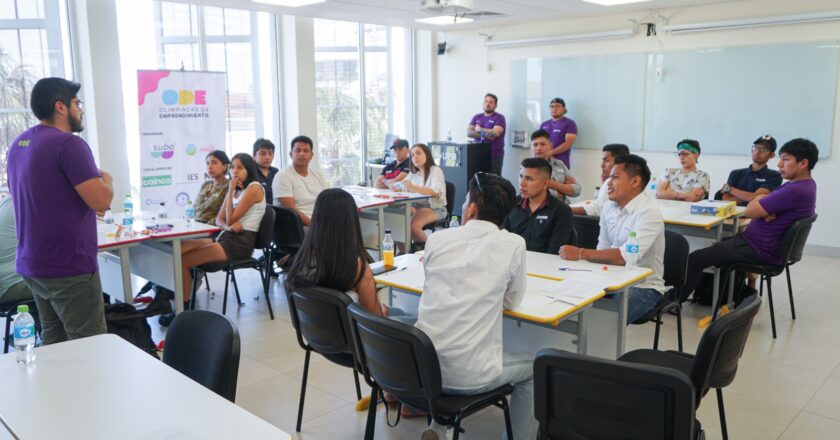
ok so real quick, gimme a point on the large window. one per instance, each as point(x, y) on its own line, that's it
point(358, 103)
point(233, 41)
point(33, 45)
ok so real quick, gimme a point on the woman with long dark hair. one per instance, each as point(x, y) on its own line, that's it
point(209, 200)
point(332, 253)
point(426, 178)
point(240, 217)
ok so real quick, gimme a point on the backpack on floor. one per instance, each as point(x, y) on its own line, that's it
point(130, 324)
point(704, 292)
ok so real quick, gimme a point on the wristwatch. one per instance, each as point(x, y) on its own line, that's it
point(727, 188)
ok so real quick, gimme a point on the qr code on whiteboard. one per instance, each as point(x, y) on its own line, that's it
point(520, 139)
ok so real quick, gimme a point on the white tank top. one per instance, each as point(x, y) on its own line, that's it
point(253, 217)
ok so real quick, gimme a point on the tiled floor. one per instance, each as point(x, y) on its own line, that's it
point(787, 388)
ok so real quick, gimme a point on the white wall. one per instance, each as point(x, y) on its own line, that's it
point(462, 78)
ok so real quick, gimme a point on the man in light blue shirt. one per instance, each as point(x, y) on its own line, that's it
point(12, 286)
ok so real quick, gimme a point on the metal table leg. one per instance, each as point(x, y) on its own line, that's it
point(125, 269)
point(716, 285)
point(582, 333)
point(177, 276)
point(622, 321)
point(407, 219)
point(380, 220)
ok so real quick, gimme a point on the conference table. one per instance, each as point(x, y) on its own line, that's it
point(152, 251)
point(373, 203)
point(558, 290)
point(678, 218)
point(102, 387)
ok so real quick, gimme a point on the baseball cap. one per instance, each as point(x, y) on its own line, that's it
point(558, 101)
point(767, 141)
point(399, 143)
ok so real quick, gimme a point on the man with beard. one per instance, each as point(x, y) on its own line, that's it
point(57, 189)
point(489, 127)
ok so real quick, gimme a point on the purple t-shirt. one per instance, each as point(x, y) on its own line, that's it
point(790, 202)
point(497, 146)
point(56, 230)
point(558, 131)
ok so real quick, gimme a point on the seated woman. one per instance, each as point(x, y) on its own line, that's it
point(686, 183)
point(426, 178)
point(240, 217)
point(209, 200)
point(332, 253)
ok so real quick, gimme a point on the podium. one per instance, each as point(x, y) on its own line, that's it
point(460, 162)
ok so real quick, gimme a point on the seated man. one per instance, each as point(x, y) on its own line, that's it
point(264, 156)
point(12, 286)
point(608, 155)
point(771, 215)
point(298, 186)
point(397, 170)
point(630, 210)
point(687, 183)
point(562, 185)
point(472, 274)
point(745, 184)
point(543, 221)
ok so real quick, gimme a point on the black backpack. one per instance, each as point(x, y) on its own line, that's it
point(130, 324)
point(704, 291)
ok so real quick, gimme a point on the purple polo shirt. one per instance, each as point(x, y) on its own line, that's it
point(497, 146)
point(790, 202)
point(56, 230)
point(558, 130)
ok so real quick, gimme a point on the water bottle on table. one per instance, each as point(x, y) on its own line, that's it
point(652, 187)
point(24, 335)
point(388, 249)
point(454, 222)
point(162, 210)
point(632, 251)
point(189, 213)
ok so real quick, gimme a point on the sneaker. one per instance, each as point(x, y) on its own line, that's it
point(437, 432)
point(166, 319)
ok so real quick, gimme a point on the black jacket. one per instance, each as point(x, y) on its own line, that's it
point(546, 229)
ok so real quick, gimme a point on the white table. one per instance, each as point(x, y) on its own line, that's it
point(149, 255)
point(374, 202)
point(584, 288)
point(102, 387)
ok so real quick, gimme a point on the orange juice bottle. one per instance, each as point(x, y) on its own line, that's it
point(388, 249)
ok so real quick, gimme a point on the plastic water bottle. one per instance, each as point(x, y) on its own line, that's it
point(632, 251)
point(128, 204)
point(388, 249)
point(454, 222)
point(481, 132)
point(449, 135)
point(128, 219)
point(162, 210)
point(652, 187)
point(189, 213)
point(24, 336)
point(108, 218)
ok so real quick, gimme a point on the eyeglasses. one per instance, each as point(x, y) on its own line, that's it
point(760, 148)
point(478, 180)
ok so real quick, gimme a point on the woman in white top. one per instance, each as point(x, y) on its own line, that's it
point(688, 182)
point(240, 217)
point(426, 178)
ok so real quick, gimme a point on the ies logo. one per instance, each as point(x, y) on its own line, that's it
point(184, 97)
point(164, 150)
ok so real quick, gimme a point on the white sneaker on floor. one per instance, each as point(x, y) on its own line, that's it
point(437, 432)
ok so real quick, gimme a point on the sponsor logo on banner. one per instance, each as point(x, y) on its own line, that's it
point(191, 150)
point(193, 177)
point(164, 150)
point(183, 104)
point(162, 180)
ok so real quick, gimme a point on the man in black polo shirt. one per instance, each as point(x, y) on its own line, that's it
point(542, 220)
point(745, 184)
point(398, 169)
point(264, 156)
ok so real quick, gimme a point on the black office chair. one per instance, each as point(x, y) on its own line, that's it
point(319, 316)
point(588, 229)
point(287, 234)
point(8, 310)
point(716, 361)
point(263, 266)
point(400, 359)
point(573, 237)
point(450, 205)
point(676, 264)
point(790, 251)
point(583, 397)
point(204, 346)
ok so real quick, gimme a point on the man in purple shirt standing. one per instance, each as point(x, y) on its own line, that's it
point(57, 188)
point(563, 131)
point(490, 127)
point(772, 214)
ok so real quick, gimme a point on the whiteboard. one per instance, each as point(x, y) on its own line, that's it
point(726, 98)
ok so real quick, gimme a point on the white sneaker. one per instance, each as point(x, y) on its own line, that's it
point(437, 432)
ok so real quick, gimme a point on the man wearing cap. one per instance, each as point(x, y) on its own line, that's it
point(397, 170)
point(563, 131)
point(489, 126)
point(745, 184)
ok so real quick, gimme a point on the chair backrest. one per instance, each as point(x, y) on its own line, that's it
point(578, 396)
point(587, 228)
point(573, 237)
point(793, 242)
point(721, 346)
point(450, 198)
point(676, 262)
point(319, 316)
point(288, 229)
point(396, 357)
point(266, 231)
point(204, 346)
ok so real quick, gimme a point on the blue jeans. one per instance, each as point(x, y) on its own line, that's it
point(640, 302)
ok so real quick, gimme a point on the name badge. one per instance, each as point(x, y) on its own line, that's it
point(760, 180)
point(542, 217)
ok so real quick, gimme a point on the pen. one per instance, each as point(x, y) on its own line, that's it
point(572, 269)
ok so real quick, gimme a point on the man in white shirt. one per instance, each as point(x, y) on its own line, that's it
point(608, 155)
point(472, 273)
point(298, 186)
point(630, 210)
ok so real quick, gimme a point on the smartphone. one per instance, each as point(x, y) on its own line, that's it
point(379, 268)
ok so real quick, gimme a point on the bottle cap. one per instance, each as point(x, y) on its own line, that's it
point(23, 308)
point(632, 233)
point(162, 203)
point(387, 231)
